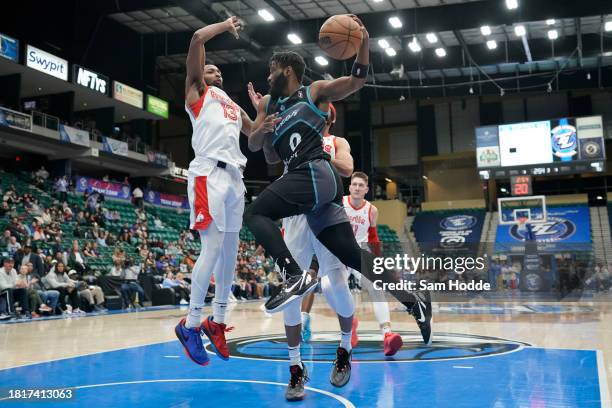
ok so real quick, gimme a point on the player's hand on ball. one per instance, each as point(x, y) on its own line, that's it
point(254, 96)
point(270, 122)
point(233, 26)
point(364, 31)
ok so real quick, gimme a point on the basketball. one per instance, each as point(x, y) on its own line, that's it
point(340, 37)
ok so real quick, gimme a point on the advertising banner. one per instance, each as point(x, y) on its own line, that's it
point(9, 48)
point(157, 106)
point(566, 228)
point(48, 63)
point(114, 146)
point(75, 136)
point(109, 189)
point(167, 200)
point(15, 119)
point(459, 230)
point(127, 94)
point(90, 79)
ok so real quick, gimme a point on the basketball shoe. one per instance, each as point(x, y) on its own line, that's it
point(216, 334)
point(192, 343)
point(295, 388)
point(293, 288)
point(422, 312)
point(392, 343)
point(341, 373)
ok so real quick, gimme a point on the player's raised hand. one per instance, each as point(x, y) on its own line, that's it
point(364, 31)
point(254, 96)
point(270, 122)
point(233, 26)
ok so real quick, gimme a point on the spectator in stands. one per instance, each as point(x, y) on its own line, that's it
point(17, 229)
point(76, 260)
point(138, 195)
point(274, 281)
point(61, 189)
point(181, 290)
point(111, 240)
point(126, 233)
point(29, 254)
point(119, 258)
point(49, 298)
point(92, 294)
point(5, 239)
point(57, 279)
point(13, 246)
point(45, 217)
point(81, 219)
point(262, 282)
point(37, 233)
point(78, 232)
point(35, 302)
point(53, 231)
point(92, 202)
point(88, 251)
point(67, 212)
point(131, 285)
point(149, 263)
point(101, 238)
point(17, 290)
point(42, 173)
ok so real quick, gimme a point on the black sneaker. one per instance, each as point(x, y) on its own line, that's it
point(341, 373)
point(293, 288)
point(295, 388)
point(422, 312)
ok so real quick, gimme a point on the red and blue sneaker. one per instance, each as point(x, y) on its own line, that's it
point(192, 343)
point(216, 334)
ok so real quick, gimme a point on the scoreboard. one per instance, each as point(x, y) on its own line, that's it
point(520, 185)
point(548, 147)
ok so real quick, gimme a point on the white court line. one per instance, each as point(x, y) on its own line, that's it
point(469, 368)
point(340, 399)
point(604, 391)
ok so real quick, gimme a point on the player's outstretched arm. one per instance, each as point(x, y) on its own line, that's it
point(196, 56)
point(340, 88)
point(343, 162)
point(263, 124)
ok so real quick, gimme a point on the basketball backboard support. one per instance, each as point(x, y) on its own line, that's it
point(513, 210)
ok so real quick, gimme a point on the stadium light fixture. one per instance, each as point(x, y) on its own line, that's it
point(377, 1)
point(550, 21)
point(440, 52)
point(491, 44)
point(425, 178)
point(512, 4)
point(608, 26)
point(294, 38)
point(388, 180)
point(391, 52)
point(414, 45)
point(553, 34)
point(384, 44)
point(266, 15)
point(520, 30)
point(321, 60)
point(432, 38)
point(485, 30)
point(503, 190)
point(395, 22)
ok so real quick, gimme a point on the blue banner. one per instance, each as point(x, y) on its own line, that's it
point(114, 146)
point(72, 135)
point(166, 200)
point(449, 231)
point(566, 229)
point(9, 47)
point(109, 189)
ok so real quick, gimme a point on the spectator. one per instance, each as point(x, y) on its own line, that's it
point(13, 246)
point(17, 229)
point(131, 285)
point(119, 258)
point(76, 260)
point(29, 254)
point(57, 279)
point(88, 251)
point(5, 239)
point(17, 290)
point(61, 189)
point(49, 298)
point(37, 306)
point(78, 232)
point(149, 263)
point(42, 173)
point(92, 294)
point(180, 290)
point(37, 232)
point(45, 217)
point(67, 212)
point(138, 195)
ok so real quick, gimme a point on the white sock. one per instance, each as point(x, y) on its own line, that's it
point(345, 340)
point(386, 329)
point(305, 317)
point(294, 356)
point(219, 311)
point(193, 317)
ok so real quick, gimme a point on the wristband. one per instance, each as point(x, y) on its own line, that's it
point(360, 70)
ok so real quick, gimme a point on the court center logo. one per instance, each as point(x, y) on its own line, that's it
point(555, 229)
point(322, 347)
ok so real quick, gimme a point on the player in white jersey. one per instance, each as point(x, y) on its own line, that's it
point(215, 191)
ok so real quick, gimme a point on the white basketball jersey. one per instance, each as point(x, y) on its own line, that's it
point(216, 122)
point(359, 218)
point(329, 145)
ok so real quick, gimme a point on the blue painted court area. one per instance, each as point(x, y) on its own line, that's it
point(458, 371)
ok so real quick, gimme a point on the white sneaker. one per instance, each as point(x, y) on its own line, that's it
point(78, 312)
point(183, 302)
point(69, 309)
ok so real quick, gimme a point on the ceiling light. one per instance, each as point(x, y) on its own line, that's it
point(390, 52)
point(608, 26)
point(266, 15)
point(294, 38)
point(511, 4)
point(414, 45)
point(388, 180)
point(395, 22)
point(424, 177)
point(432, 38)
point(520, 31)
point(377, 1)
point(599, 197)
point(440, 52)
point(550, 21)
point(485, 30)
point(383, 44)
point(39, 88)
point(321, 60)
point(503, 190)
point(471, 90)
point(491, 44)
point(553, 34)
